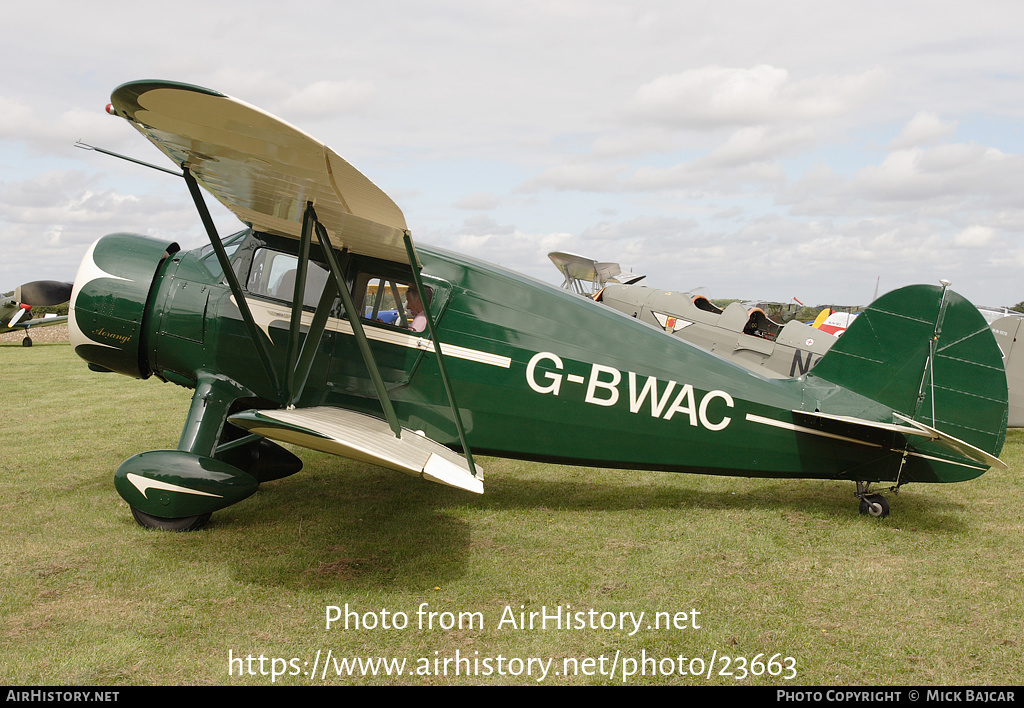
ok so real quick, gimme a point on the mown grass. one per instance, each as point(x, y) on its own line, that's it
point(928, 596)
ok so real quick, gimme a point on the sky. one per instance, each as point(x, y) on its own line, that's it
point(741, 149)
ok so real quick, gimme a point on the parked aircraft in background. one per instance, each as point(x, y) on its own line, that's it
point(585, 276)
point(16, 307)
point(1007, 330)
point(745, 336)
point(837, 322)
point(991, 314)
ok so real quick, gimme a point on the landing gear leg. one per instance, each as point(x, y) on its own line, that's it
point(871, 504)
point(177, 490)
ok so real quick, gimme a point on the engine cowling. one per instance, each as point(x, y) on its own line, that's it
point(110, 301)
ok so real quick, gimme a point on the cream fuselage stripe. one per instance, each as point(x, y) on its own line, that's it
point(801, 429)
point(267, 313)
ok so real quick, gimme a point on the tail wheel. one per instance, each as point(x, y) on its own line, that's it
point(187, 523)
point(874, 505)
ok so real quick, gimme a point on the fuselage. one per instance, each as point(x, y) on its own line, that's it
point(538, 373)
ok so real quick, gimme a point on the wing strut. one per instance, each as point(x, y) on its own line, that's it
point(300, 357)
point(300, 373)
point(225, 265)
point(298, 300)
point(299, 361)
point(414, 262)
point(260, 343)
point(353, 318)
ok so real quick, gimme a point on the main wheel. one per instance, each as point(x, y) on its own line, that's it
point(874, 505)
point(26, 342)
point(186, 523)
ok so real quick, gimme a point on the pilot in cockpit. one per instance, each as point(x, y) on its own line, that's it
point(414, 308)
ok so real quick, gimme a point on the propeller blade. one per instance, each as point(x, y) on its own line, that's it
point(43, 293)
point(17, 317)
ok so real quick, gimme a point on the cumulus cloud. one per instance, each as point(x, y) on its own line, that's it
point(758, 144)
point(46, 130)
point(520, 251)
point(641, 132)
point(704, 176)
point(717, 173)
point(480, 201)
point(49, 220)
point(485, 226)
point(327, 98)
point(954, 182)
point(712, 97)
point(60, 196)
point(925, 128)
point(958, 171)
point(15, 118)
point(778, 256)
point(585, 176)
point(767, 114)
point(975, 237)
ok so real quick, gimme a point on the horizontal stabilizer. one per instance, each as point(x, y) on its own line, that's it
point(365, 438)
point(957, 445)
point(915, 429)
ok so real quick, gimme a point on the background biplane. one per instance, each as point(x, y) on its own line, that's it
point(274, 328)
point(585, 276)
point(745, 335)
point(773, 345)
point(16, 307)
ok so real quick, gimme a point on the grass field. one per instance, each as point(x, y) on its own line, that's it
point(931, 595)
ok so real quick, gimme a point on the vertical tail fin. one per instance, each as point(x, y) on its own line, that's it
point(927, 353)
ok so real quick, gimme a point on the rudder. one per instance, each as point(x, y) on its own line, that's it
point(928, 353)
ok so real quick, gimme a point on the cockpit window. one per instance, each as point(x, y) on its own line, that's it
point(391, 301)
point(273, 275)
point(209, 259)
point(384, 301)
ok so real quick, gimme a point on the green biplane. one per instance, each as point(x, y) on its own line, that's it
point(305, 328)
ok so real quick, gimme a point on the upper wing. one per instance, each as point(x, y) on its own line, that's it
point(582, 268)
point(262, 168)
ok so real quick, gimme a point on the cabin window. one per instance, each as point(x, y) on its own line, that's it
point(384, 301)
point(273, 275)
point(390, 301)
point(209, 259)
